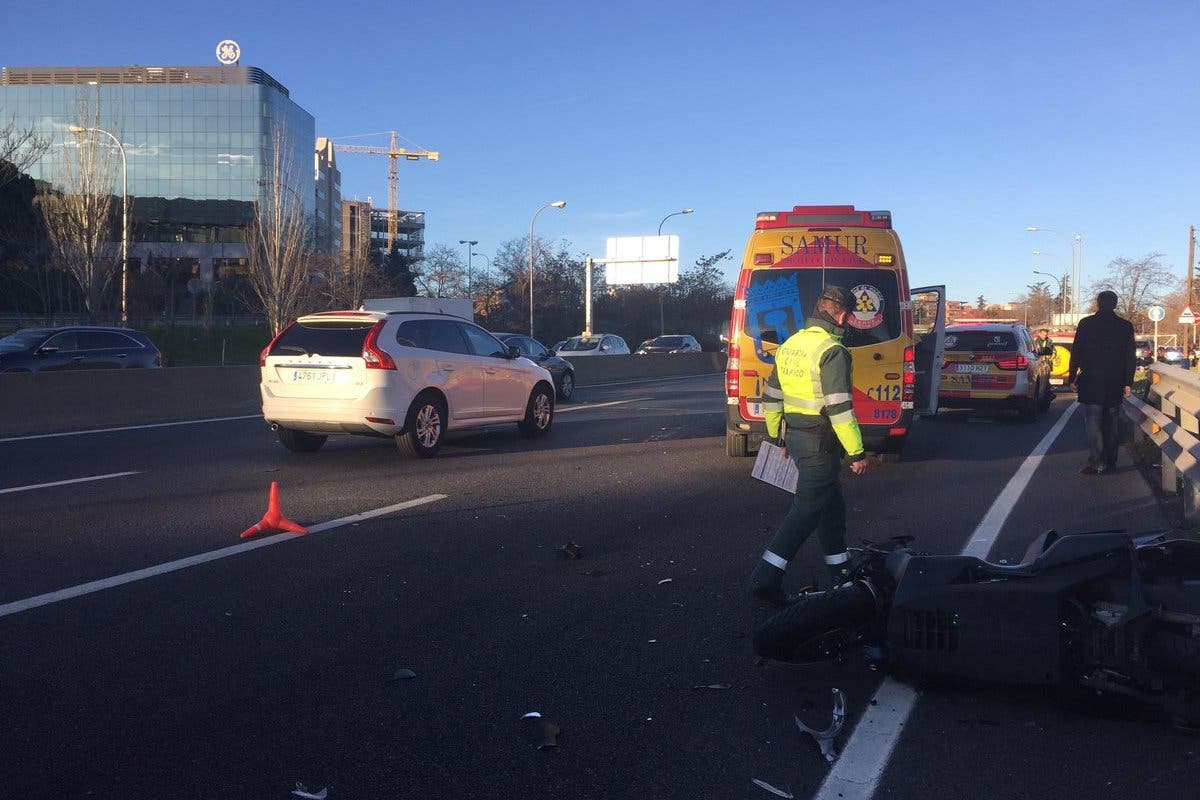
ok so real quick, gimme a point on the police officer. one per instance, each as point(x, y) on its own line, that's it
point(1041, 343)
point(811, 389)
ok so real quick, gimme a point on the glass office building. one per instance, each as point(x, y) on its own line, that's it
point(199, 142)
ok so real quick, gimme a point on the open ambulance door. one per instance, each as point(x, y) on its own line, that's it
point(928, 305)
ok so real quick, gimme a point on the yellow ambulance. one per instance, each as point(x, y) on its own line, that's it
point(894, 333)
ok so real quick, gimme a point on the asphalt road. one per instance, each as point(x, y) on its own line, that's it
point(239, 677)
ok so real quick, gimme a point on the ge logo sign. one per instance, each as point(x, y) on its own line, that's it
point(228, 52)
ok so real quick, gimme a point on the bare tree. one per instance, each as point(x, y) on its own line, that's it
point(19, 148)
point(442, 273)
point(279, 242)
point(78, 218)
point(1138, 284)
point(353, 276)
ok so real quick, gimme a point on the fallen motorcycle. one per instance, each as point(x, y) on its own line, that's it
point(1107, 612)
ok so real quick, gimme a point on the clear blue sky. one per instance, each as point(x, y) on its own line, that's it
point(968, 121)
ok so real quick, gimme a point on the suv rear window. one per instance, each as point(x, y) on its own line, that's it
point(979, 341)
point(342, 338)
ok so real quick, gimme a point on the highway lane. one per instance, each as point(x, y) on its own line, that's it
point(239, 677)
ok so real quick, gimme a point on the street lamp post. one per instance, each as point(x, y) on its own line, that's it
point(1061, 291)
point(469, 243)
point(1075, 278)
point(78, 129)
point(661, 324)
point(556, 204)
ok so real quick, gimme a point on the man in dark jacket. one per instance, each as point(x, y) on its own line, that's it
point(1101, 372)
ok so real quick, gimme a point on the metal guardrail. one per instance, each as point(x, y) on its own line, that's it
point(1169, 419)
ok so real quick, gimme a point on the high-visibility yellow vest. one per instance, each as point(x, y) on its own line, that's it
point(802, 390)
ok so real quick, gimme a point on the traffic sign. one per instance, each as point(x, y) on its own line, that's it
point(1156, 313)
point(1187, 317)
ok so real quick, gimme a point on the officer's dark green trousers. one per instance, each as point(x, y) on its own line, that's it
point(818, 506)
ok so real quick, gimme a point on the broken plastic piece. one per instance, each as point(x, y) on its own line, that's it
point(665, 580)
point(531, 715)
point(775, 790)
point(300, 791)
point(403, 674)
point(825, 738)
point(715, 686)
point(569, 550)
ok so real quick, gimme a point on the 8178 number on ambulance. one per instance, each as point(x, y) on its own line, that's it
point(894, 334)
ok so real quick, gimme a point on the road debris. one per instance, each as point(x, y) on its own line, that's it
point(825, 738)
point(716, 686)
point(403, 674)
point(569, 550)
point(531, 715)
point(775, 790)
point(301, 791)
point(665, 580)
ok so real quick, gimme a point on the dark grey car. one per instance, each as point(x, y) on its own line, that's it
point(559, 368)
point(77, 347)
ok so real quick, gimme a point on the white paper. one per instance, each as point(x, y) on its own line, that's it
point(773, 466)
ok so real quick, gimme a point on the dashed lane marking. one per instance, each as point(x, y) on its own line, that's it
point(856, 774)
point(64, 483)
point(563, 410)
point(17, 606)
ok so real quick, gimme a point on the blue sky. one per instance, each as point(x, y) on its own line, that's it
point(967, 121)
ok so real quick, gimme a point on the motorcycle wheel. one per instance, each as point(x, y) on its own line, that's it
point(818, 626)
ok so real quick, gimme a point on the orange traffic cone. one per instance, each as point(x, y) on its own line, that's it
point(273, 520)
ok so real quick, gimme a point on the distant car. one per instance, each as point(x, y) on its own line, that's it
point(78, 347)
point(674, 343)
point(1174, 355)
point(559, 368)
point(598, 344)
point(1143, 351)
point(994, 366)
point(405, 375)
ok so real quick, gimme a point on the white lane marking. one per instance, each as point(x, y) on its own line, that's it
point(857, 772)
point(72, 480)
point(17, 606)
point(562, 409)
point(981, 541)
point(127, 428)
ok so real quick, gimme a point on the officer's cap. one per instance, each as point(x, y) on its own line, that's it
point(838, 295)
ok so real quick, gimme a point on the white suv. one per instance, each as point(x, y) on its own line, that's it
point(411, 376)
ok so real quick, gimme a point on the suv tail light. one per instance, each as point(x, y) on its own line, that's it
point(266, 351)
point(371, 354)
point(1015, 363)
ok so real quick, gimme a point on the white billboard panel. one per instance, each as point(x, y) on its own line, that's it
point(641, 260)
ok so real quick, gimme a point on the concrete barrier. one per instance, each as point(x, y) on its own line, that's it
point(53, 402)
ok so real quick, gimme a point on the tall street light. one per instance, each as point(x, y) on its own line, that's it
point(661, 325)
point(1061, 292)
point(556, 204)
point(78, 129)
point(1075, 278)
point(469, 243)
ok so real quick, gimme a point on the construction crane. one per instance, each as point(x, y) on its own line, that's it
point(394, 155)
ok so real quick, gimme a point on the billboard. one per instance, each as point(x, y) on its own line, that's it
point(641, 260)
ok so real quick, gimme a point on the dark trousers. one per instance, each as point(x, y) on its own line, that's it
point(1102, 426)
point(818, 506)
